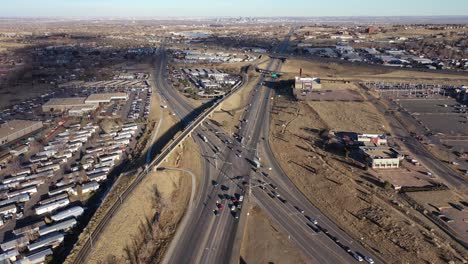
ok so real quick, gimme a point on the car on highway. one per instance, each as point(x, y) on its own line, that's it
point(273, 186)
point(369, 260)
point(314, 221)
point(216, 212)
point(233, 207)
point(235, 214)
point(239, 155)
point(271, 195)
point(220, 207)
point(299, 209)
point(357, 257)
point(282, 199)
point(224, 188)
point(275, 194)
point(215, 183)
point(346, 248)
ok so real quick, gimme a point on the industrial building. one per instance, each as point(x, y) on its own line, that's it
point(63, 104)
point(77, 106)
point(16, 129)
point(381, 157)
point(105, 97)
point(81, 110)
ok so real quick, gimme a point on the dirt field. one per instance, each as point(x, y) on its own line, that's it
point(264, 243)
point(166, 192)
point(348, 195)
point(350, 116)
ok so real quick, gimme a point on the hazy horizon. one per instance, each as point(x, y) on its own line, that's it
point(224, 8)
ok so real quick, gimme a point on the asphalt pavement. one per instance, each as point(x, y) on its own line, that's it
point(209, 238)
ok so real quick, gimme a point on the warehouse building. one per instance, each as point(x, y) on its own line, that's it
point(105, 97)
point(78, 106)
point(81, 110)
point(63, 104)
point(381, 157)
point(16, 129)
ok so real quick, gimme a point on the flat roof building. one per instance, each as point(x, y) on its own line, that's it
point(307, 83)
point(381, 157)
point(105, 97)
point(81, 110)
point(15, 129)
point(303, 87)
point(63, 104)
point(372, 139)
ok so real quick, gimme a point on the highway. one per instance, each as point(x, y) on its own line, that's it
point(193, 241)
point(209, 238)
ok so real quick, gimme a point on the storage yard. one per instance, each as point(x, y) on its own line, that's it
point(44, 195)
point(58, 155)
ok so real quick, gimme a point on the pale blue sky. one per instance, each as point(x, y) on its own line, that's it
point(161, 8)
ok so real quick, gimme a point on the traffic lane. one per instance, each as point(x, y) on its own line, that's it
point(178, 251)
point(299, 197)
point(211, 227)
point(305, 240)
point(194, 240)
point(221, 237)
point(220, 227)
point(293, 205)
point(304, 227)
point(192, 231)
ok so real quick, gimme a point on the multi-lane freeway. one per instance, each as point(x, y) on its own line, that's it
point(209, 233)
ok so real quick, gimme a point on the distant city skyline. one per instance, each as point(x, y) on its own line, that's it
point(218, 8)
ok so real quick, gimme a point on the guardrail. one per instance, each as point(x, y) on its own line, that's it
point(165, 152)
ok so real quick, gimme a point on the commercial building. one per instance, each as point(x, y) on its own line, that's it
point(77, 106)
point(372, 139)
point(81, 110)
point(105, 97)
point(307, 83)
point(304, 87)
point(63, 104)
point(381, 157)
point(15, 129)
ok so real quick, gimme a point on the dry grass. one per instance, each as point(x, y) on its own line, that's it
point(439, 199)
point(346, 194)
point(351, 116)
point(263, 243)
point(363, 72)
point(166, 192)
